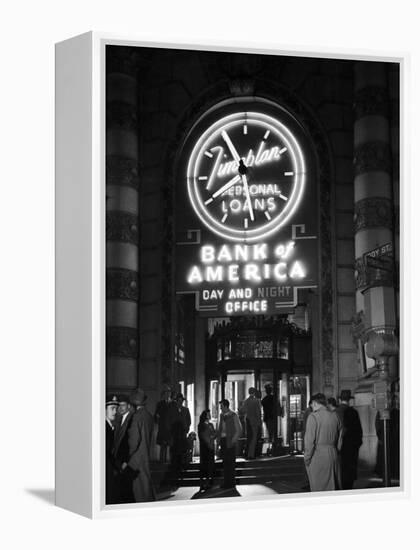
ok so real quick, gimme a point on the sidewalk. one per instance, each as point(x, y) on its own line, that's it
point(279, 475)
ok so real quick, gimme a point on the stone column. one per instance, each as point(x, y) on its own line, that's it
point(122, 251)
point(375, 294)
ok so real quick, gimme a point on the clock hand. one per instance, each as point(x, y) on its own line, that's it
point(248, 196)
point(224, 188)
point(231, 147)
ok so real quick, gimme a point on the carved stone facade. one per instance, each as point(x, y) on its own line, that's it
point(122, 284)
point(122, 342)
point(122, 227)
point(373, 212)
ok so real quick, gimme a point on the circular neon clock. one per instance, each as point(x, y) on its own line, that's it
point(246, 176)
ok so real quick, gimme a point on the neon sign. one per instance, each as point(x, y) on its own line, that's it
point(246, 176)
point(247, 216)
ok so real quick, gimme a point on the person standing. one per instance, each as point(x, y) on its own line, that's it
point(161, 418)
point(268, 415)
point(321, 446)
point(111, 407)
point(352, 439)
point(331, 404)
point(140, 434)
point(251, 409)
point(305, 417)
point(179, 422)
point(121, 450)
point(206, 436)
point(229, 431)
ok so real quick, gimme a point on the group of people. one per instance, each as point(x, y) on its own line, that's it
point(129, 431)
point(129, 434)
point(332, 439)
point(229, 431)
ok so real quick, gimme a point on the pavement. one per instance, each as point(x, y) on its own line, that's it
point(271, 475)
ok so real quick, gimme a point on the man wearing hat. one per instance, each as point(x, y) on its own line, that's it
point(121, 449)
point(352, 439)
point(322, 443)
point(179, 422)
point(140, 433)
point(111, 407)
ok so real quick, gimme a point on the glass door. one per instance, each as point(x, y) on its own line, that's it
point(299, 395)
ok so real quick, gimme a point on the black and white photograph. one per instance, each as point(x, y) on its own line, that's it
point(252, 274)
point(210, 257)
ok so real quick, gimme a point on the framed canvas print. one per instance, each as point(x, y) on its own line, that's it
point(228, 290)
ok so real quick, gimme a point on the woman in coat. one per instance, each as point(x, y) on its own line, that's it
point(322, 442)
point(206, 435)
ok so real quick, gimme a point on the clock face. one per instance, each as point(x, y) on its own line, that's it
point(246, 176)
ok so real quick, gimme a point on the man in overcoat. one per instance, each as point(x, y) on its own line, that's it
point(322, 443)
point(229, 431)
point(179, 422)
point(111, 471)
point(140, 434)
point(121, 450)
point(352, 439)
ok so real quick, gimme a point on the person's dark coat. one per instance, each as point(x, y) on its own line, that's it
point(178, 423)
point(121, 456)
point(352, 440)
point(140, 434)
point(121, 439)
point(206, 436)
point(161, 417)
point(110, 467)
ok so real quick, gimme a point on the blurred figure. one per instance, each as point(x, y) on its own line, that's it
point(179, 422)
point(352, 439)
point(121, 452)
point(251, 409)
point(322, 443)
point(331, 404)
point(140, 435)
point(111, 407)
point(206, 436)
point(306, 414)
point(229, 431)
point(268, 415)
point(161, 418)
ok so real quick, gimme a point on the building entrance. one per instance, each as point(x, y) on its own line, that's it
point(274, 357)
